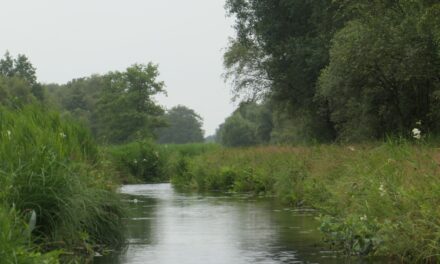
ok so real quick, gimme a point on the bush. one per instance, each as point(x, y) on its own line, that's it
point(141, 160)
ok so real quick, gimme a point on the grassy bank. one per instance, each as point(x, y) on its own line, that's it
point(55, 190)
point(381, 199)
point(148, 162)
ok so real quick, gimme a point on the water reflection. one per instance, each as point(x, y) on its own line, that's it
point(170, 227)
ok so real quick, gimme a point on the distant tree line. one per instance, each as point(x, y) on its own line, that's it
point(18, 82)
point(333, 70)
point(118, 107)
point(183, 125)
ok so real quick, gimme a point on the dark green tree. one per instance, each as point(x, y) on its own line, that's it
point(21, 68)
point(347, 70)
point(279, 51)
point(7, 65)
point(237, 132)
point(383, 75)
point(126, 108)
point(250, 124)
point(184, 126)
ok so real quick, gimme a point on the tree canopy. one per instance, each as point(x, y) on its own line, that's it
point(250, 124)
point(184, 125)
point(117, 106)
point(126, 108)
point(18, 81)
point(338, 70)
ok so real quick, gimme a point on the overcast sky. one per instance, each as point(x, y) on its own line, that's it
point(66, 39)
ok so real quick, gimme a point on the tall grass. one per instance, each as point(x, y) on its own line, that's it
point(377, 199)
point(52, 167)
point(139, 161)
point(15, 241)
point(147, 162)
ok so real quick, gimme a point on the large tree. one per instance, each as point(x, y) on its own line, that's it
point(184, 125)
point(339, 69)
point(384, 71)
point(249, 124)
point(18, 81)
point(126, 107)
point(278, 52)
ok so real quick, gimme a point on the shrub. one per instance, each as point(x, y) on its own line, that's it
point(142, 160)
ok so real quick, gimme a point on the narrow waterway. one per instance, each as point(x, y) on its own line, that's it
point(168, 227)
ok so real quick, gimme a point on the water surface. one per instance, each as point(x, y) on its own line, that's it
point(168, 227)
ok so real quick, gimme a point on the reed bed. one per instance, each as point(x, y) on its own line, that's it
point(53, 186)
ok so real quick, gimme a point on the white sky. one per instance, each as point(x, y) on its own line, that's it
point(66, 39)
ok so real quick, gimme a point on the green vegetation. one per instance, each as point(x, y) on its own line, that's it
point(179, 155)
point(15, 242)
point(312, 72)
point(137, 162)
point(250, 124)
point(184, 126)
point(378, 199)
point(336, 70)
point(126, 109)
point(147, 162)
point(53, 179)
point(118, 107)
point(306, 72)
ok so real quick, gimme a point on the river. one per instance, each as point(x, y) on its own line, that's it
point(169, 227)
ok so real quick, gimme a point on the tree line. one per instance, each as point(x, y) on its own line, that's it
point(333, 70)
point(118, 107)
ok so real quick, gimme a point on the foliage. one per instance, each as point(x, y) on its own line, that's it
point(52, 168)
point(338, 70)
point(15, 92)
point(142, 160)
point(19, 67)
point(278, 53)
point(148, 162)
point(183, 126)
point(79, 98)
point(118, 106)
point(383, 73)
point(250, 124)
point(126, 108)
point(188, 150)
point(14, 241)
point(376, 199)
point(21, 75)
point(178, 156)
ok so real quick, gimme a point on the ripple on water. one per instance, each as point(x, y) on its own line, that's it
point(166, 227)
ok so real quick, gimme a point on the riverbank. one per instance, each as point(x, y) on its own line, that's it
point(377, 199)
point(148, 162)
point(57, 194)
point(166, 226)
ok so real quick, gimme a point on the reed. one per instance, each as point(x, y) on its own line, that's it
point(51, 167)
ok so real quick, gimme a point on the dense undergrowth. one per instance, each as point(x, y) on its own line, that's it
point(56, 194)
point(377, 199)
point(147, 162)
